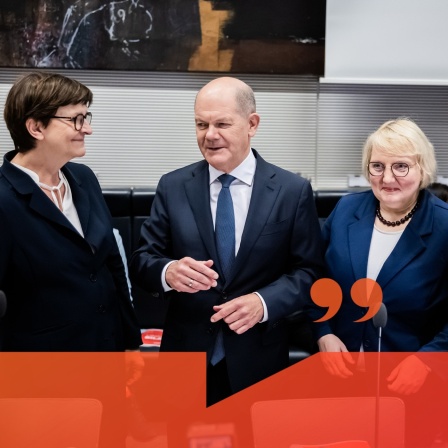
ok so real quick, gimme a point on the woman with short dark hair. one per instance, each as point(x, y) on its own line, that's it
point(60, 266)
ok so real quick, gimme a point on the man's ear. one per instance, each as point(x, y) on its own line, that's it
point(254, 121)
point(34, 127)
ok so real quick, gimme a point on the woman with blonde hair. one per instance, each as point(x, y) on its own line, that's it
point(396, 233)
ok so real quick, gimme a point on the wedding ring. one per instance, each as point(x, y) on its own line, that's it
point(190, 284)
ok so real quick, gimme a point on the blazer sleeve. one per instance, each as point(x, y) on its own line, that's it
point(154, 251)
point(315, 312)
point(129, 321)
point(5, 247)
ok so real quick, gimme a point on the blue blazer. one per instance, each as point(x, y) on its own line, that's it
point(279, 257)
point(414, 278)
point(64, 292)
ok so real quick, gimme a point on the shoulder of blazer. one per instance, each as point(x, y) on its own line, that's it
point(355, 205)
point(437, 203)
point(78, 169)
point(79, 173)
point(186, 172)
point(351, 208)
point(431, 215)
point(14, 178)
point(278, 174)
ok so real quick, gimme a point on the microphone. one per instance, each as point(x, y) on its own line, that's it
point(380, 318)
point(2, 304)
point(379, 321)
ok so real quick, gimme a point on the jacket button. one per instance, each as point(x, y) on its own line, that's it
point(102, 309)
point(209, 330)
point(155, 294)
point(93, 277)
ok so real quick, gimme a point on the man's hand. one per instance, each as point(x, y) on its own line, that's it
point(189, 275)
point(409, 376)
point(335, 356)
point(241, 313)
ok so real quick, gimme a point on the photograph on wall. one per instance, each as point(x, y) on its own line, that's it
point(251, 36)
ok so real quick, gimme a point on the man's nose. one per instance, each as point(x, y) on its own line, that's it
point(212, 133)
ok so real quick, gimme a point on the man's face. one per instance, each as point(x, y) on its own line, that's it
point(222, 131)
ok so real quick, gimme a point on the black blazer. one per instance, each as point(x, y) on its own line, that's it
point(279, 257)
point(64, 292)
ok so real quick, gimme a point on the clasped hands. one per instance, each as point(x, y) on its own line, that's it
point(190, 276)
point(406, 378)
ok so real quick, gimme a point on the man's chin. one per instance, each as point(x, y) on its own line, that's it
point(218, 154)
point(218, 160)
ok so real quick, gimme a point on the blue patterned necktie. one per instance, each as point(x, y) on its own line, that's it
point(225, 243)
point(225, 226)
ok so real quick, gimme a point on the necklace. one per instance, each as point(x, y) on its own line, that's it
point(395, 223)
point(56, 199)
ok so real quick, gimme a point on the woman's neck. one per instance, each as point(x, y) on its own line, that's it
point(48, 172)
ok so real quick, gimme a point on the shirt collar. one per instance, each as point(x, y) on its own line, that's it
point(34, 175)
point(244, 172)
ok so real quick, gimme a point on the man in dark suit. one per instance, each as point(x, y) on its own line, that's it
point(235, 311)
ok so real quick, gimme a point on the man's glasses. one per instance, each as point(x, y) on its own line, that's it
point(399, 169)
point(78, 121)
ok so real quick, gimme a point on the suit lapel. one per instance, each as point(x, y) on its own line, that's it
point(360, 235)
point(200, 204)
point(410, 244)
point(40, 203)
point(29, 190)
point(80, 199)
point(264, 195)
point(95, 223)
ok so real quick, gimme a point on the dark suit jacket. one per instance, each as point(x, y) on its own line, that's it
point(65, 292)
point(414, 279)
point(279, 257)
